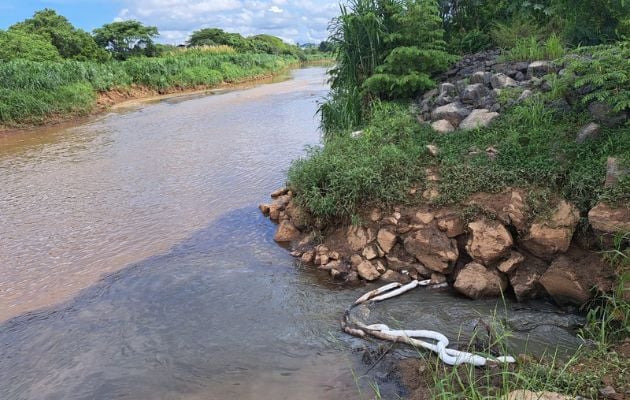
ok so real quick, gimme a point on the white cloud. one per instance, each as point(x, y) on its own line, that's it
point(292, 20)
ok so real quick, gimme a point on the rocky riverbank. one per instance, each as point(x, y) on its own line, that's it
point(491, 243)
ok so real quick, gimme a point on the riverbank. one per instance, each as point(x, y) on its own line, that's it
point(45, 93)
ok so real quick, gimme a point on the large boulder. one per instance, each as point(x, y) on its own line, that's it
point(607, 219)
point(478, 119)
point(453, 113)
point(432, 248)
point(287, 232)
point(571, 277)
point(451, 223)
point(489, 241)
point(550, 236)
point(509, 206)
point(482, 77)
point(386, 240)
point(500, 81)
point(476, 281)
point(472, 94)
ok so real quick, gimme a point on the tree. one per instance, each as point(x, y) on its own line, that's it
point(70, 42)
point(26, 46)
point(217, 37)
point(124, 39)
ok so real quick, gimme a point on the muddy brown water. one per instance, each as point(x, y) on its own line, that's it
point(134, 263)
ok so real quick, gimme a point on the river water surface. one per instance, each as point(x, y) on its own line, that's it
point(134, 263)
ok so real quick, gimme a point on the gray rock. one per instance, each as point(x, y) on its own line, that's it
point(442, 126)
point(430, 94)
point(560, 105)
point(519, 76)
point(614, 172)
point(521, 66)
point(590, 131)
point(481, 77)
point(443, 99)
point(603, 113)
point(454, 113)
point(500, 81)
point(461, 85)
point(478, 119)
point(472, 94)
point(448, 89)
point(525, 95)
point(540, 68)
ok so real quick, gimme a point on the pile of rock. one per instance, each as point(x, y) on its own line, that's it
point(468, 97)
point(481, 258)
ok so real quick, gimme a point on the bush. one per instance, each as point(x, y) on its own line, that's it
point(470, 42)
point(25, 46)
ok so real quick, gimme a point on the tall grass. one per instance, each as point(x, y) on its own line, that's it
point(531, 49)
point(32, 91)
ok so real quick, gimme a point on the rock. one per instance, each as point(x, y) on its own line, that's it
point(478, 119)
point(519, 76)
point(489, 241)
point(297, 215)
point(264, 208)
point(442, 126)
point(513, 261)
point(571, 277)
point(476, 281)
point(433, 150)
point(356, 134)
point(501, 81)
point(367, 271)
point(380, 266)
point(370, 252)
point(430, 94)
point(590, 131)
point(452, 224)
point(525, 279)
point(603, 113)
point(437, 279)
point(521, 66)
point(539, 69)
point(448, 89)
point(386, 240)
point(423, 217)
point(509, 206)
point(308, 257)
point(431, 194)
point(355, 260)
point(287, 232)
point(279, 192)
point(432, 248)
point(607, 219)
point(548, 237)
point(528, 395)
point(358, 237)
point(524, 96)
point(277, 206)
point(482, 77)
point(517, 209)
point(393, 276)
point(614, 172)
point(453, 113)
point(376, 214)
point(472, 94)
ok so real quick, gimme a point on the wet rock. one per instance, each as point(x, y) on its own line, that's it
point(540, 68)
point(588, 132)
point(432, 248)
point(513, 261)
point(608, 219)
point(453, 113)
point(603, 113)
point(442, 126)
point(478, 119)
point(393, 276)
point(501, 81)
point(264, 208)
point(476, 281)
point(525, 279)
point(614, 172)
point(367, 271)
point(548, 237)
point(287, 232)
point(570, 277)
point(489, 241)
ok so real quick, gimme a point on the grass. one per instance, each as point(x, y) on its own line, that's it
point(31, 92)
point(531, 49)
point(536, 148)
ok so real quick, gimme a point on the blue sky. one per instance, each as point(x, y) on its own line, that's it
point(293, 20)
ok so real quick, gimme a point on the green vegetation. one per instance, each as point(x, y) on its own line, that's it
point(531, 49)
point(50, 69)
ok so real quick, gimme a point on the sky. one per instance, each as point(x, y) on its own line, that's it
point(296, 21)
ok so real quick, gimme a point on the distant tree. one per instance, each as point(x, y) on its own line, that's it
point(216, 37)
point(325, 46)
point(70, 42)
point(26, 46)
point(124, 39)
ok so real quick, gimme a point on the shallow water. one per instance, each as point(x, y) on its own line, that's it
point(134, 263)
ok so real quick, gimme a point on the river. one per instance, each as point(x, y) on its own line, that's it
point(134, 263)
